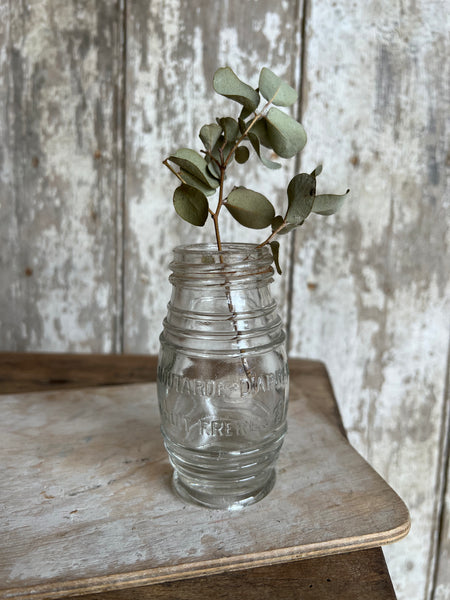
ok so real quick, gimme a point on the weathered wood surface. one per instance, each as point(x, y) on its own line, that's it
point(372, 292)
point(87, 458)
point(370, 287)
point(173, 49)
point(32, 372)
point(60, 74)
point(360, 575)
point(349, 576)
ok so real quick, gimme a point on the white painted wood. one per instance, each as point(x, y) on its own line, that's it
point(93, 510)
point(371, 295)
point(174, 49)
point(58, 171)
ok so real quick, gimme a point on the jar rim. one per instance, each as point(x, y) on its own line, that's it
point(235, 260)
point(227, 247)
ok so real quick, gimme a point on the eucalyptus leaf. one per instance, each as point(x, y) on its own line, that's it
point(254, 140)
point(250, 208)
point(213, 169)
point(242, 154)
point(317, 171)
point(276, 90)
point(328, 204)
point(195, 164)
point(286, 135)
point(245, 112)
point(230, 128)
point(194, 182)
point(260, 130)
point(191, 204)
point(301, 193)
point(220, 150)
point(227, 83)
point(209, 134)
point(275, 247)
point(277, 221)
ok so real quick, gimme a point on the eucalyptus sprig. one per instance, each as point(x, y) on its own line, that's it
point(228, 139)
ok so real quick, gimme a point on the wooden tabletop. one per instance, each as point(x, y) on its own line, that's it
point(360, 574)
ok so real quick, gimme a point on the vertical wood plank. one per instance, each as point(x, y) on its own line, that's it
point(59, 71)
point(372, 283)
point(441, 575)
point(174, 47)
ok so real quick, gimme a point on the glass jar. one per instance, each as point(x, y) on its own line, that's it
point(222, 375)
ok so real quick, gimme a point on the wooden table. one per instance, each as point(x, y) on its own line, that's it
point(360, 574)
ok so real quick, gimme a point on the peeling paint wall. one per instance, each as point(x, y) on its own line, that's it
point(59, 67)
point(94, 94)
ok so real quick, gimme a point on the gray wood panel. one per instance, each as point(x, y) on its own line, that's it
point(173, 50)
point(59, 166)
point(371, 295)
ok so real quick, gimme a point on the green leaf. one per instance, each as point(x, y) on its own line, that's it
point(250, 208)
point(260, 130)
point(301, 193)
point(226, 148)
point(275, 89)
point(317, 171)
point(286, 135)
point(209, 134)
point(242, 154)
point(230, 128)
point(275, 247)
point(245, 112)
point(191, 204)
point(213, 169)
point(328, 204)
point(193, 163)
point(270, 164)
point(227, 83)
point(277, 221)
point(194, 182)
point(254, 140)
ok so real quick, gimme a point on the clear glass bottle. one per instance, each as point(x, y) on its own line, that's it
point(222, 375)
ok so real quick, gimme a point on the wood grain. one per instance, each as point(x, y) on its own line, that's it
point(94, 490)
point(174, 49)
point(49, 371)
point(371, 292)
point(352, 576)
point(360, 575)
point(60, 80)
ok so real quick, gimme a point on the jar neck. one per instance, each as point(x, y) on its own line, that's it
point(237, 265)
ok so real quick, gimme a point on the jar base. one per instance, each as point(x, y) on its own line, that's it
point(211, 498)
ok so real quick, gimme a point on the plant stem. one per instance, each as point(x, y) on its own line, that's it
point(253, 121)
point(230, 154)
point(272, 235)
point(215, 215)
point(216, 231)
point(165, 162)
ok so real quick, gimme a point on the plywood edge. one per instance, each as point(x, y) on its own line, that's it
point(120, 581)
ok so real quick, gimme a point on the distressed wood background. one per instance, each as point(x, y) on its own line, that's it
point(95, 93)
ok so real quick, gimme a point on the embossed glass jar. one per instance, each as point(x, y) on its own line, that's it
point(222, 375)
